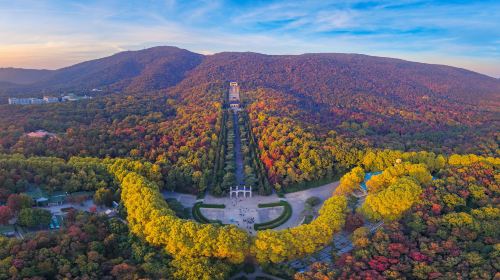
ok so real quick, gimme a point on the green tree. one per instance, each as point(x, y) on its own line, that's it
point(104, 196)
point(17, 202)
point(34, 217)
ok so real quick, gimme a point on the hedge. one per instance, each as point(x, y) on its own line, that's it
point(219, 206)
point(272, 204)
point(285, 215)
point(198, 216)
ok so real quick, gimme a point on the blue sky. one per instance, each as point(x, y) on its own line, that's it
point(53, 34)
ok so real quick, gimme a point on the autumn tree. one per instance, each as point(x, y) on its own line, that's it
point(392, 202)
point(16, 202)
point(5, 214)
point(351, 181)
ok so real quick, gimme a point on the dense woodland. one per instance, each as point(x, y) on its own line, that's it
point(89, 247)
point(171, 129)
point(450, 232)
point(430, 226)
point(311, 116)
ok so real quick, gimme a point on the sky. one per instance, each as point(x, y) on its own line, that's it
point(53, 34)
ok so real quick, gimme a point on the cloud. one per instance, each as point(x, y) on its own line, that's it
point(326, 21)
point(58, 33)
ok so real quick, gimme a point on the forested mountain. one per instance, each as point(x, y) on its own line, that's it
point(389, 102)
point(23, 76)
point(129, 71)
point(322, 77)
point(325, 75)
point(310, 114)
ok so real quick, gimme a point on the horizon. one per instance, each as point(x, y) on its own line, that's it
point(461, 34)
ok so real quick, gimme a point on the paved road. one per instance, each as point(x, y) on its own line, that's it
point(187, 200)
point(82, 206)
point(297, 201)
point(258, 273)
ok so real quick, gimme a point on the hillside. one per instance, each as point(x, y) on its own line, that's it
point(422, 139)
point(374, 101)
point(382, 102)
point(322, 76)
point(130, 71)
point(23, 76)
point(317, 75)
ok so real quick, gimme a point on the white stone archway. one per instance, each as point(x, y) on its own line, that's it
point(236, 191)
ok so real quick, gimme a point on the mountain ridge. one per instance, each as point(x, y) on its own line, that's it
point(162, 67)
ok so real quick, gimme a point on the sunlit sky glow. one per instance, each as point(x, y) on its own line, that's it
point(54, 34)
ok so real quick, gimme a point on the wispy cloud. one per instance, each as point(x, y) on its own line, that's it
point(57, 33)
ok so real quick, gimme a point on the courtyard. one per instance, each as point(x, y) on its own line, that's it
point(244, 211)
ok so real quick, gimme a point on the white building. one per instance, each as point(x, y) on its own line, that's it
point(50, 99)
point(72, 97)
point(234, 105)
point(234, 92)
point(25, 101)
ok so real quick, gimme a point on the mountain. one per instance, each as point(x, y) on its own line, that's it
point(129, 71)
point(23, 76)
point(325, 75)
point(317, 77)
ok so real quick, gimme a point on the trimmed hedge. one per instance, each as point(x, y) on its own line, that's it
point(272, 204)
point(198, 216)
point(285, 215)
point(219, 206)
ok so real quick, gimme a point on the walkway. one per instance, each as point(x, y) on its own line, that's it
point(187, 200)
point(297, 201)
point(82, 206)
point(238, 156)
point(343, 244)
point(258, 273)
point(240, 210)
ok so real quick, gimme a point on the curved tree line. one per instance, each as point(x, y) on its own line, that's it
point(149, 217)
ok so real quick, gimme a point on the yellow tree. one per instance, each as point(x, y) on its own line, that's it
point(392, 202)
point(351, 181)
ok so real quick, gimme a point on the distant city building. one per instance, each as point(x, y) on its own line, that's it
point(25, 101)
point(46, 99)
point(36, 101)
point(50, 99)
point(22, 101)
point(72, 97)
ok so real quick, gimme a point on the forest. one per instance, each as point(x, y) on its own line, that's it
point(431, 151)
point(431, 226)
point(450, 231)
point(165, 128)
point(310, 120)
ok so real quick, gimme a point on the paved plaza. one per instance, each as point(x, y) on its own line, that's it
point(244, 211)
